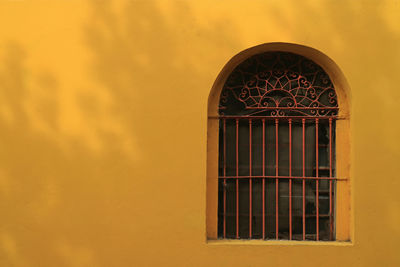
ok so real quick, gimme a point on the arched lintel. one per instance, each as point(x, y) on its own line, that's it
point(330, 67)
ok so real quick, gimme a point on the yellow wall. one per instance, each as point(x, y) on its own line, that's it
point(103, 127)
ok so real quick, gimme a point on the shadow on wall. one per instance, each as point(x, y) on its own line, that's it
point(71, 204)
point(68, 204)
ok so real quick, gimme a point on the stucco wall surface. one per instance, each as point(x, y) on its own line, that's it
point(103, 127)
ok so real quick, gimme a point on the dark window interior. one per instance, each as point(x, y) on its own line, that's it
point(276, 109)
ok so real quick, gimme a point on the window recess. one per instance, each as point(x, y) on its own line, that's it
point(277, 177)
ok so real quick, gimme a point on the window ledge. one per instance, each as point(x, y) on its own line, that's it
point(278, 243)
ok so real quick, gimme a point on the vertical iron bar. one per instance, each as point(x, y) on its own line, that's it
point(237, 178)
point(276, 180)
point(304, 182)
point(316, 174)
point(290, 180)
point(263, 173)
point(330, 181)
point(224, 123)
point(250, 180)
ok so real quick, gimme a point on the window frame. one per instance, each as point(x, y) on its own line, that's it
point(343, 198)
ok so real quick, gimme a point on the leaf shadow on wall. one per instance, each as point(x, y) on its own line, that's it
point(74, 201)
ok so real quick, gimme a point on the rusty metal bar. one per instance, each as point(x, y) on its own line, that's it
point(316, 175)
point(250, 180)
point(282, 177)
point(290, 179)
point(330, 182)
point(276, 117)
point(292, 108)
point(237, 180)
point(276, 180)
point(263, 181)
point(224, 171)
point(304, 181)
point(269, 214)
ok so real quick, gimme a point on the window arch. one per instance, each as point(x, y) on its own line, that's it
point(277, 175)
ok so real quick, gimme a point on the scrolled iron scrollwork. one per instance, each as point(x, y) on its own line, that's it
point(278, 84)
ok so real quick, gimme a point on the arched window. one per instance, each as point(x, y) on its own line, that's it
point(276, 170)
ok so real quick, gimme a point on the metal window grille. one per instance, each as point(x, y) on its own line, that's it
point(277, 179)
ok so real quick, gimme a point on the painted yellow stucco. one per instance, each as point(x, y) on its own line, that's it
point(103, 128)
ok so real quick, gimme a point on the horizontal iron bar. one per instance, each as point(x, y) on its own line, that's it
point(278, 117)
point(282, 237)
point(281, 177)
point(232, 214)
point(295, 108)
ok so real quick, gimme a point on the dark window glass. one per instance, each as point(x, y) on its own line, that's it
point(276, 150)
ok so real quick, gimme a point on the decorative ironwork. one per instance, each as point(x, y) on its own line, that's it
point(278, 84)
